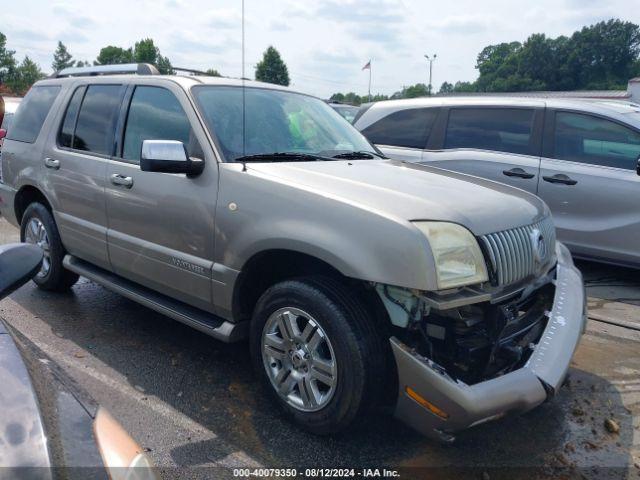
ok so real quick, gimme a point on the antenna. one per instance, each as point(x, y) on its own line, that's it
point(244, 122)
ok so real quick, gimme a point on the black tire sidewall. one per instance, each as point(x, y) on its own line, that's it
point(350, 355)
point(57, 278)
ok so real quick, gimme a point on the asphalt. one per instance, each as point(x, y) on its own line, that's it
point(196, 406)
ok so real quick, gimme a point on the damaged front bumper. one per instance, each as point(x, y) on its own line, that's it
point(437, 405)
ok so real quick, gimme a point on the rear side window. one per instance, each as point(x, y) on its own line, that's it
point(156, 114)
point(32, 113)
point(588, 139)
point(497, 129)
point(97, 119)
point(65, 139)
point(405, 128)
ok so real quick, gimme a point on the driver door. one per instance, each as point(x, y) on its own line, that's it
point(161, 225)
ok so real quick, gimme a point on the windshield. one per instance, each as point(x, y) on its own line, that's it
point(276, 121)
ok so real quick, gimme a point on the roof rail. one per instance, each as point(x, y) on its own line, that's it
point(137, 68)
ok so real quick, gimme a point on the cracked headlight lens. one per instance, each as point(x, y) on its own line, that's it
point(459, 260)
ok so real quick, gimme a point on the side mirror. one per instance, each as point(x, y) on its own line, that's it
point(168, 156)
point(19, 262)
point(3, 133)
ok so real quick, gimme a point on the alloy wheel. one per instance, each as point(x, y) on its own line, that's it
point(299, 359)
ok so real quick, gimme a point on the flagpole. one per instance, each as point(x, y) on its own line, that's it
point(369, 80)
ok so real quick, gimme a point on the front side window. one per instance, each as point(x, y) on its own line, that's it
point(587, 139)
point(496, 129)
point(405, 128)
point(32, 113)
point(156, 114)
point(274, 121)
point(97, 119)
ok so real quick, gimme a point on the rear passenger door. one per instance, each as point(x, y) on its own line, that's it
point(161, 225)
point(75, 161)
point(402, 134)
point(497, 143)
point(589, 180)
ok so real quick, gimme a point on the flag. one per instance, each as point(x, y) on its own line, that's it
point(367, 66)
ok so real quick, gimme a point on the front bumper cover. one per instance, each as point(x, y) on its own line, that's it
point(515, 392)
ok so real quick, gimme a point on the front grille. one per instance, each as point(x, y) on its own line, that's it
point(520, 252)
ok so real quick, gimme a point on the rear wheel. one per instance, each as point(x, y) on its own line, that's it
point(318, 352)
point(39, 228)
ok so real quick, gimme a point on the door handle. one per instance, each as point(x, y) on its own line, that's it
point(121, 180)
point(51, 163)
point(518, 172)
point(560, 178)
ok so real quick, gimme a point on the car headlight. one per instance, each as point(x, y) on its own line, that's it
point(459, 260)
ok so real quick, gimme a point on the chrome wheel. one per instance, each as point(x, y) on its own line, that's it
point(299, 359)
point(36, 234)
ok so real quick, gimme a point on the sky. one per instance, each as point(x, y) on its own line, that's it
point(325, 43)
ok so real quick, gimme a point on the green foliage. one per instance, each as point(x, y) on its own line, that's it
point(143, 51)
point(212, 72)
point(352, 98)
point(7, 60)
point(61, 58)
point(111, 55)
point(600, 56)
point(272, 68)
point(446, 87)
point(25, 75)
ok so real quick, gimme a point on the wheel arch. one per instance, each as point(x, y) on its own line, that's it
point(268, 267)
point(26, 195)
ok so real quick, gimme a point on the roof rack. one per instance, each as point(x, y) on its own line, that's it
point(131, 68)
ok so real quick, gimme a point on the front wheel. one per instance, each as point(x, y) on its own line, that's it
point(318, 352)
point(39, 228)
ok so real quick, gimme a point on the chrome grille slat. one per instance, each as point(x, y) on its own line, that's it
point(511, 252)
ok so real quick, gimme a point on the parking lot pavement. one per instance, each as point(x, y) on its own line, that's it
point(193, 401)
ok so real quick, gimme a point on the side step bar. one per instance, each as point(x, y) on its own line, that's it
point(194, 317)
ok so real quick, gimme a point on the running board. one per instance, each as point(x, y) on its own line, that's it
point(194, 317)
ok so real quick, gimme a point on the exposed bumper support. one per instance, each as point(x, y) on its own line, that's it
point(515, 392)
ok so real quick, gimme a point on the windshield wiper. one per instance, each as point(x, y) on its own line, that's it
point(282, 157)
point(361, 155)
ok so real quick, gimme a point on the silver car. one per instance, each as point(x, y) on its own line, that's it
point(247, 210)
point(581, 157)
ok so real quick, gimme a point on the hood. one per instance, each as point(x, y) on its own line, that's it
point(413, 192)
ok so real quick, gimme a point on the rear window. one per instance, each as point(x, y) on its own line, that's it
point(32, 113)
point(405, 128)
point(96, 123)
point(497, 129)
point(65, 138)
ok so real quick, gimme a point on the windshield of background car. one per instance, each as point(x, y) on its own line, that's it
point(275, 121)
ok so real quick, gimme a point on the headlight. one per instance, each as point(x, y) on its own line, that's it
point(459, 260)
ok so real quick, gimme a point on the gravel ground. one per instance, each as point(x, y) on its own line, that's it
point(195, 404)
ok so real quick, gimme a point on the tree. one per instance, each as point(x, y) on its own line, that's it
point(413, 91)
point(445, 88)
point(212, 72)
point(111, 55)
point(272, 68)
point(80, 63)
point(7, 60)
point(62, 58)
point(145, 51)
point(25, 75)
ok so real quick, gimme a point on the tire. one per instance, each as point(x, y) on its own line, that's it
point(39, 227)
point(344, 331)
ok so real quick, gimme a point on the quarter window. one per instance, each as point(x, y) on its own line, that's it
point(65, 139)
point(405, 128)
point(97, 119)
point(32, 113)
point(588, 139)
point(156, 114)
point(496, 129)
